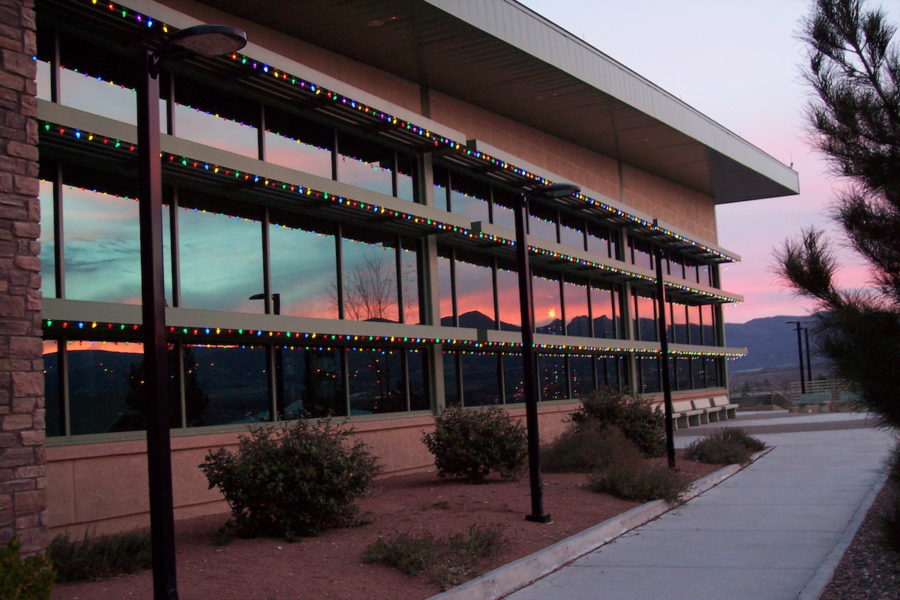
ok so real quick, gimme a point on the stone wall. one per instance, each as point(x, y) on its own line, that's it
point(22, 463)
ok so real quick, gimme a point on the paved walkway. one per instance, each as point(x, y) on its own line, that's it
point(767, 533)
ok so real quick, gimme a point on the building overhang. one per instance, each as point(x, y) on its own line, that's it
point(505, 58)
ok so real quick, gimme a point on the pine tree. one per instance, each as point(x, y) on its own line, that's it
point(854, 71)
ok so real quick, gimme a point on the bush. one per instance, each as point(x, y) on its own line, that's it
point(294, 481)
point(890, 519)
point(637, 480)
point(99, 558)
point(635, 417)
point(446, 562)
point(587, 448)
point(726, 446)
point(470, 443)
point(28, 579)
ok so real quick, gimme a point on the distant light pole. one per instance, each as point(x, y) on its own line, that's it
point(207, 40)
point(800, 350)
point(808, 355)
point(529, 356)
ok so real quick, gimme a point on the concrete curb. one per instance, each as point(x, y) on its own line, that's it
point(822, 577)
point(519, 573)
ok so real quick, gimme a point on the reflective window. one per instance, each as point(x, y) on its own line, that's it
point(409, 281)
point(451, 379)
point(445, 289)
point(513, 379)
point(365, 164)
point(93, 94)
point(406, 177)
point(474, 295)
point(441, 188)
point(679, 323)
point(682, 373)
point(581, 373)
point(698, 367)
point(645, 317)
point(42, 78)
point(205, 115)
point(553, 378)
point(603, 312)
point(53, 414)
point(221, 261)
point(611, 372)
point(419, 398)
point(303, 267)
point(641, 253)
point(547, 308)
point(469, 197)
point(542, 223)
point(502, 209)
point(691, 271)
point(370, 278)
point(102, 247)
point(708, 317)
point(694, 324)
point(312, 383)
point(296, 143)
point(48, 243)
point(648, 368)
point(508, 300)
point(575, 299)
point(676, 266)
point(481, 386)
point(704, 274)
point(713, 372)
point(230, 382)
point(376, 381)
point(571, 231)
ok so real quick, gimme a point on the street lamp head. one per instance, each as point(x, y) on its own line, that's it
point(556, 190)
point(792, 322)
point(209, 40)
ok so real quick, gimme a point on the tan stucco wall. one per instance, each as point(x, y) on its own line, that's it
point(101, 488)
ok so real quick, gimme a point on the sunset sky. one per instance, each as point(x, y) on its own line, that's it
point(739, 63)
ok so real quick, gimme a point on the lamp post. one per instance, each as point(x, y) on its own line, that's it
point(664, 357)
point(800, 351)
point(808, 356)
point(208, 40)
point(529, 356)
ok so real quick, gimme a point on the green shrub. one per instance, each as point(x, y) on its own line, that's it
point(28, 579)
point(727, 446)
point(293, 481)
point(637, 480)
point(587, 448)
point(470, 443)
point(446, 562)
point(635, 417)
point(99, 558)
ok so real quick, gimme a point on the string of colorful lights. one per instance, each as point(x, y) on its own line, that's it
point(438, 141)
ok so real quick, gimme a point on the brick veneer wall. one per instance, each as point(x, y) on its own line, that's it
point(22, 464)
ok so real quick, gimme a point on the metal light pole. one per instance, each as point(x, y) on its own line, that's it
point(664, 357)
point(800, 351)
point(209, 40)
point(529, 356)
point(808, 355)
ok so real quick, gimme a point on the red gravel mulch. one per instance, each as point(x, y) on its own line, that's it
point(329, 567)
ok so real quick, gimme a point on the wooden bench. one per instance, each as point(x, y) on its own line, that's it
point(729, 410)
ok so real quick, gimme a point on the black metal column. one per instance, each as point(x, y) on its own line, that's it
point(159, 460)
point(529, 360)
point(664, 356)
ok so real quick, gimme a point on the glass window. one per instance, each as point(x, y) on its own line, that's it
point(547, 308)
point(553, 378)
point(52, 398)
point(102, 247)
point(581, 373)
point(365, 164)
point(679, 322)
point(42, 78)
point(445, 287)
point(419, 397)
point(641, 253)
point(469, 197)
point(312, 383)
point(206, 115)
point(708, 317)
point(645, 317)
point(703, 272)
point(220, 261)
point(598, 240)
point(231, 385)
point(474, 295)
point(376, 381)
point(571, 231)
point(441, 188)
point(713, 372)
point(48, 243)
point(303, 267)
point(508, 300)
point(296, 143)
point(649, 371)
point(698, 367)
point(451, 379)
point(513, 379)
point(694, 324)
point(676, 266)
point(97, 95)
point(503, 214)
point(406, 177)
point(542, 223)
point(409, 281)
point(575, 299)
point(690, 271)
point(481, 386)
point(370, 278)
point(682, 373)
point(604, 315)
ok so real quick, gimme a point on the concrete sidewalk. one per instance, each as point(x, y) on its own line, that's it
point(773, 531)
